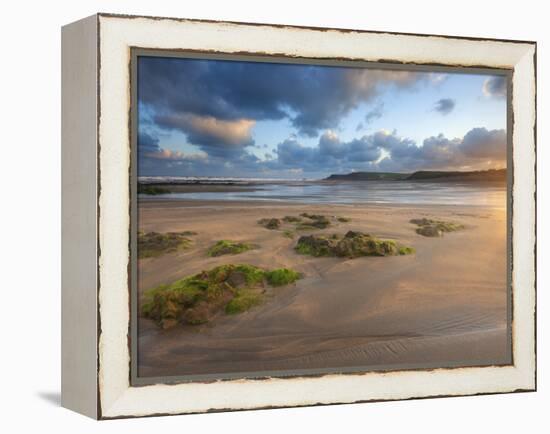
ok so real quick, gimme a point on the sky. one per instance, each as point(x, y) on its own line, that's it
point(219, 118)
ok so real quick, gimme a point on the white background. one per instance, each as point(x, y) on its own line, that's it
point(30, 216)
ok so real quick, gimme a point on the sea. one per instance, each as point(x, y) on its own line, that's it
point(341, 192)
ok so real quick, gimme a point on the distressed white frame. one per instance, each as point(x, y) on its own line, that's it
point(116, 35)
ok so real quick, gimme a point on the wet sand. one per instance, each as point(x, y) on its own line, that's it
point(445, 305)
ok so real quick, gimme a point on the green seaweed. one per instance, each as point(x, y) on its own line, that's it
point(352, 245)
point(289, 234)
point(244, 300)
point(154, 244)
point(198, 298)
point(270, 223)
point(291, 219)
point(227, 247)
point(435, 228)
point(318, 221)
point(403, 250)
point(306, 227)
point(282, 276)
point(304, 222)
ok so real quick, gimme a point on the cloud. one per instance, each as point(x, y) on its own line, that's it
point(147, 143)
point(331, 153)
point(330, 145)
point(495, 86)
point(170, 163)
point(380, 151)
point(363, 150)
point(445, 106)
point(386, 150)
point(217, 105)
point(478, 148)
point(375, 113)
point(313, 98)
point(214, 136)
point(331, 93)
point(167, 154)
point(482, 143)
point(290, 153)
point(437, 78)
point(149, 148)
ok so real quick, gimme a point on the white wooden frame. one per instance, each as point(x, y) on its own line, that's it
point(96, 217)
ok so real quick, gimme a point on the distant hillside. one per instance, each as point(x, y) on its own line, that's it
point(424, 175)
point(476, 175)
point(368, 176)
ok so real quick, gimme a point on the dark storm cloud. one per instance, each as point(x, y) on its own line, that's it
point(445, 106)
point(313, 98)
point(221, 89)
point(495, 86)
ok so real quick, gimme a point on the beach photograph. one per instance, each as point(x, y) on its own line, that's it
point(302, 219)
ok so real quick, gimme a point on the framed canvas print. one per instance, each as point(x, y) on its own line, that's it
point(261, 216)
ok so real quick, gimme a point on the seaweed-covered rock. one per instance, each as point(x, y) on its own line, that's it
point(343, 219)
point(435, 228)
point(303, 222)
point(291, 219)
point(318, 221)
point(352, 245)
point(289, 234)
point(204, 310)
point(429, 231)
point(236, 279)
point(153, 244)
point(197, 299)
point(227, 247)
point(243, 301)
point(282, 276)
point(315, 245)
point(272, 223)
point(356, 244)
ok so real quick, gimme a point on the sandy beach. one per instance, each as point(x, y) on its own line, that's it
point(445, 305)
